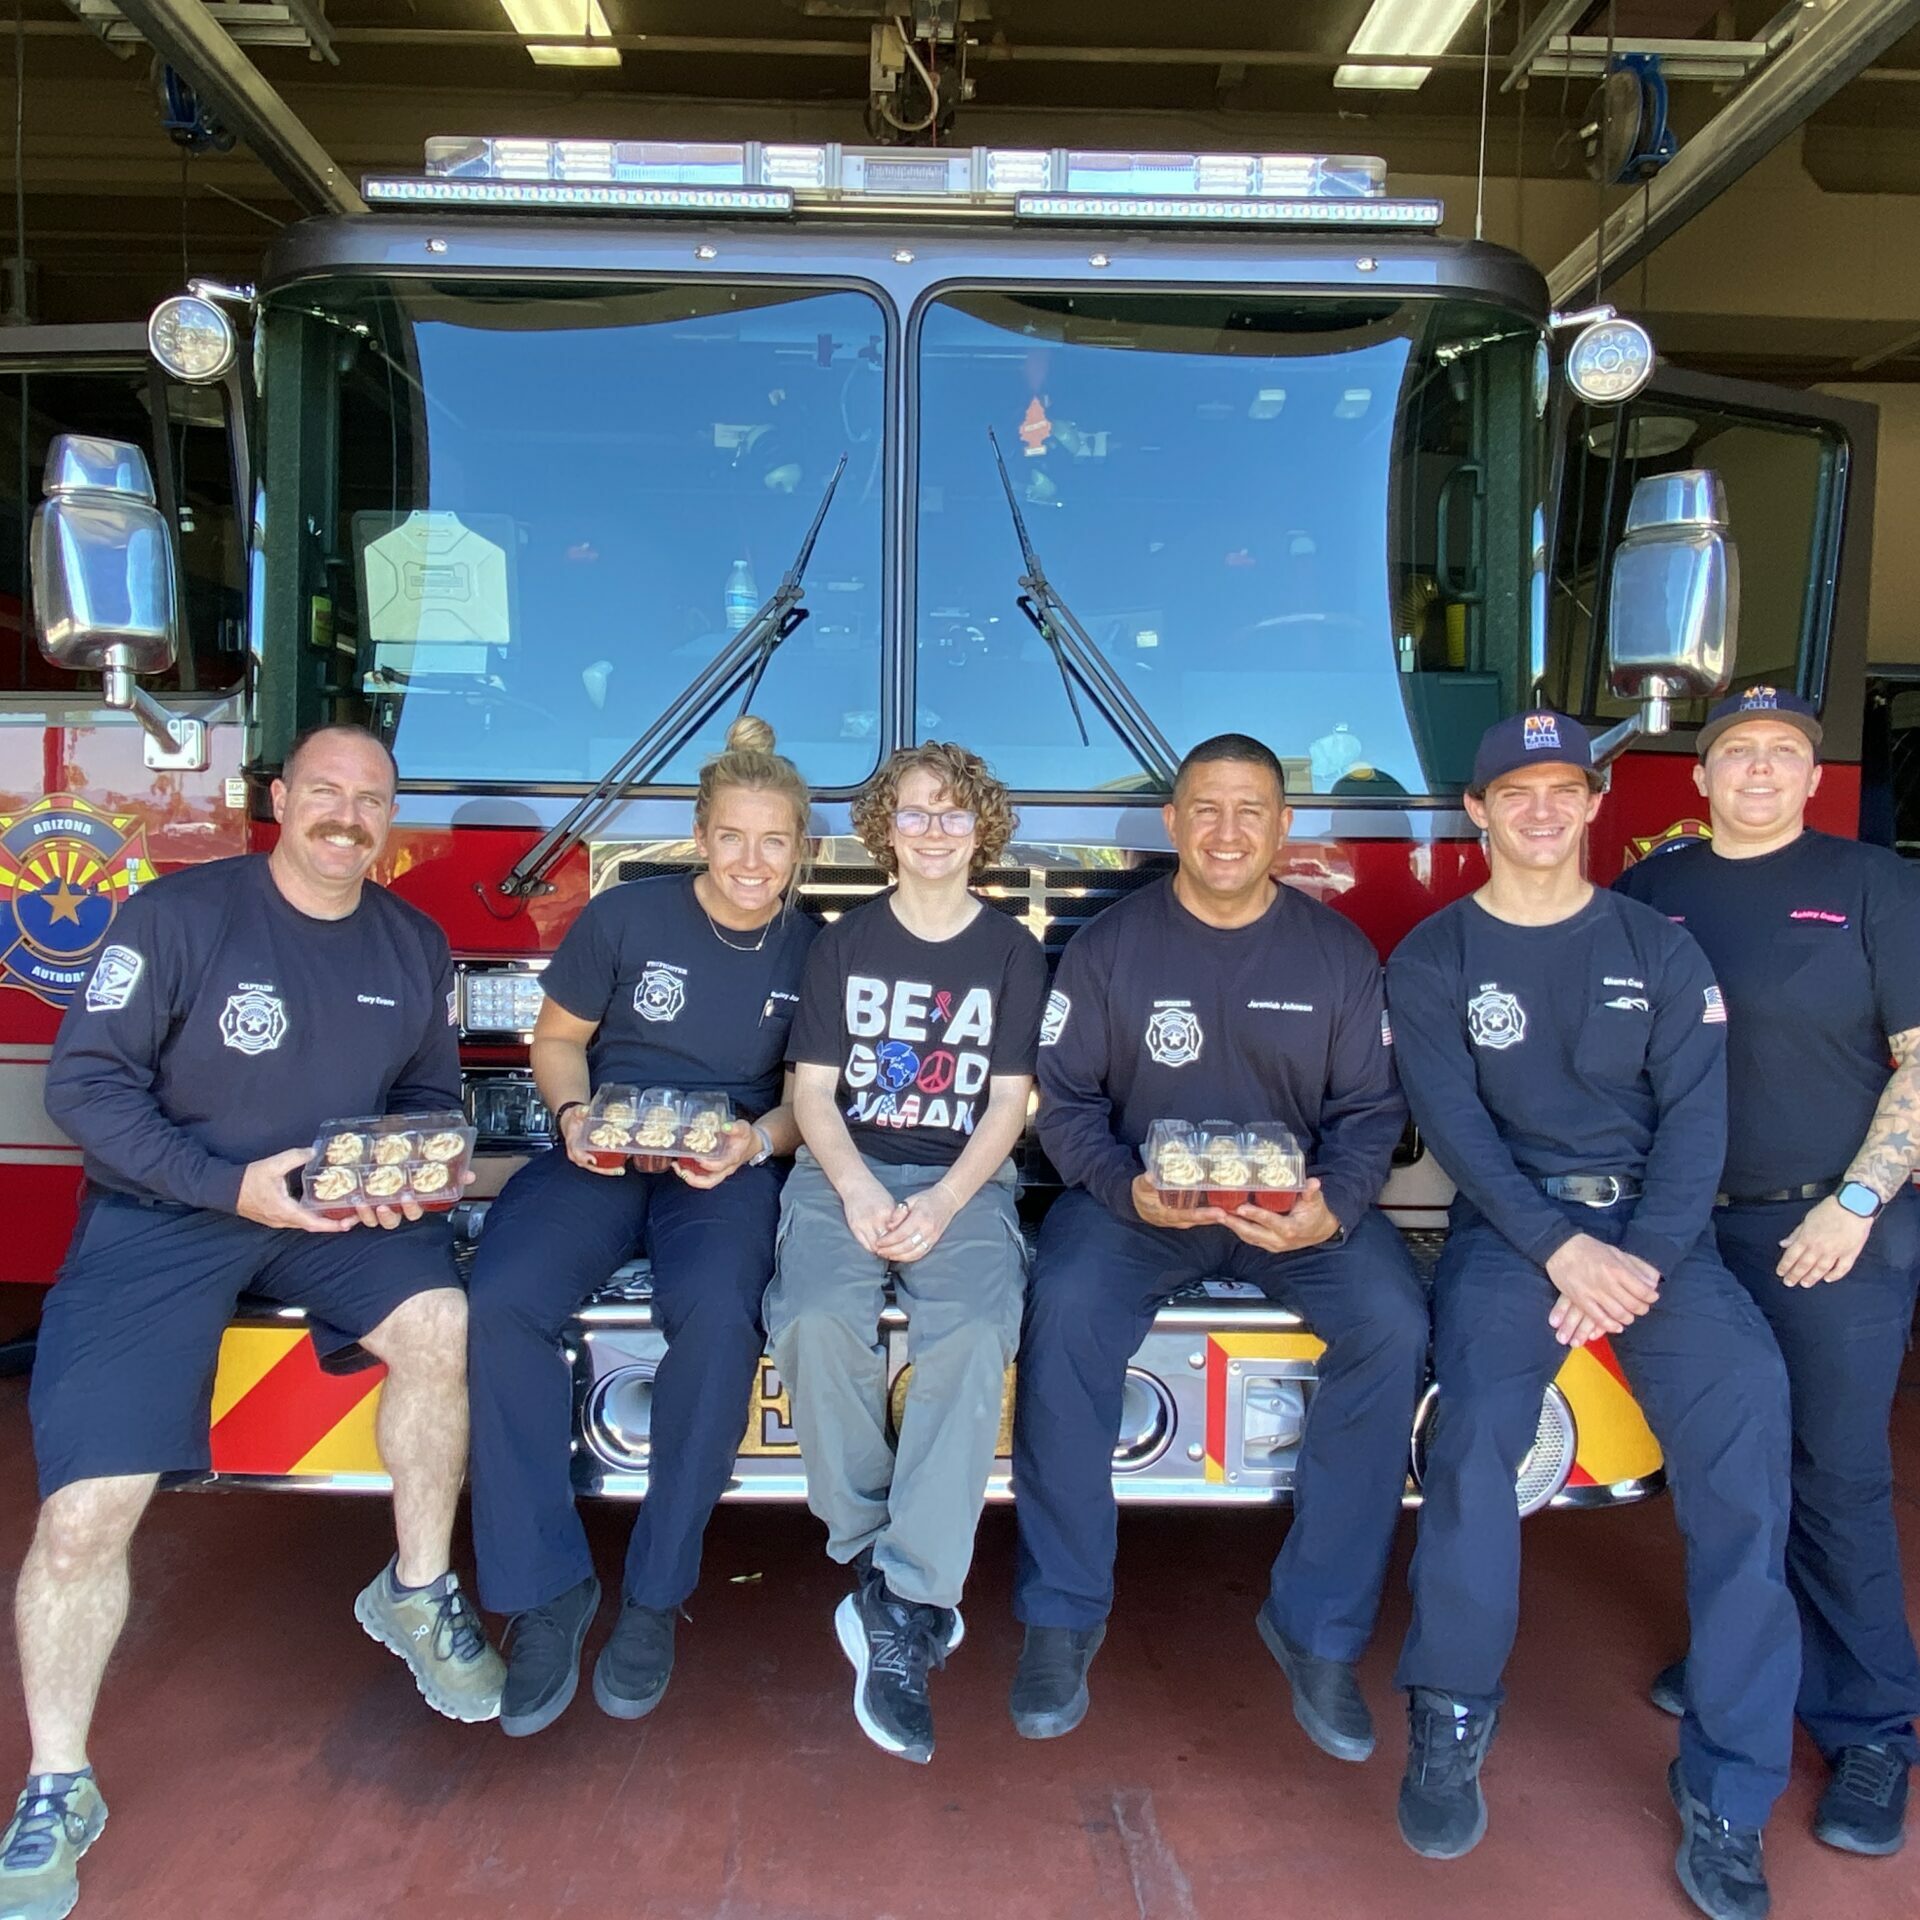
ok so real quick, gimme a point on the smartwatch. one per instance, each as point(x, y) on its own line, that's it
point(1860, 1200)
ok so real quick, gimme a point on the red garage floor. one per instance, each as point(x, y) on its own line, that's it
point(265, 1759)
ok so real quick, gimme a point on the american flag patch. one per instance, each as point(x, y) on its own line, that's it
point(1716, 1012)
point(1386, 1028)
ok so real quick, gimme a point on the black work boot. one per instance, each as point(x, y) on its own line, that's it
point(1443, 1813)
point(1864, 1809)
point(1049, 1694)
point(893, 1644)
point(1326, 1696)
point(636, 1664)
point(1669, 1689)
point(1719, 1864)
point(543, 1659)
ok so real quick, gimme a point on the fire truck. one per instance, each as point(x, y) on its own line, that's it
point(568, 450)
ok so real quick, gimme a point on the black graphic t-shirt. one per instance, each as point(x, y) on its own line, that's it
point(678, 1004)
point(221, 1024)
point(918, 1027)
point(1817, 946)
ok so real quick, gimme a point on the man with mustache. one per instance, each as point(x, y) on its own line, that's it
point(236, 1008)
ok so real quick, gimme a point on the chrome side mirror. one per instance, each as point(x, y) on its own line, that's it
point(104, 594)
point(1673, 601)
point(103, 586)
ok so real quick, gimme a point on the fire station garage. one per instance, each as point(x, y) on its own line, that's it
point(517, 391)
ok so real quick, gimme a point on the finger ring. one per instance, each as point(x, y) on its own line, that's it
point(919, 1240)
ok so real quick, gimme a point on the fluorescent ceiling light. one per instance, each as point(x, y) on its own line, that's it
point(576, 19)
point(1403, 29)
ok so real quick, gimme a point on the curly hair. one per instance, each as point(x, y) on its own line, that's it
point(963, 777)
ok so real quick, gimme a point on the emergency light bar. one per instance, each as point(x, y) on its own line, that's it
point(1287, 189)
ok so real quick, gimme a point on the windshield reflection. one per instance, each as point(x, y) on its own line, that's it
point(1257, 509)
point(553, 508)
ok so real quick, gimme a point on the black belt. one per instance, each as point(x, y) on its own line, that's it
point(1813, 1190)
point(1591, 1189)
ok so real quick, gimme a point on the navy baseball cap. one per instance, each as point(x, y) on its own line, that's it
point(1540, 738)
point(1758, 703)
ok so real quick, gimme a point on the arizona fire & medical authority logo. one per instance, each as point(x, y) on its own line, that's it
point(66, 869)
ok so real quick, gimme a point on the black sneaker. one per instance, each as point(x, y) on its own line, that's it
point(1864, 1809)
point(636, 1664)
point(953, 1629)
point(1049, 1694)
point(1443, 1813)
point(893, 1643)
point(1326, 1696)
point(1669, 1689)
point(1719, 1864)
point(543, 1659)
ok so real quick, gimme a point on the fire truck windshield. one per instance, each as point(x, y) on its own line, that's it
point(531, 515)
point(1309, 519)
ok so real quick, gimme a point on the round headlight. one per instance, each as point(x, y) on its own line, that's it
point(617, 1420)
point(191, 338)
point(1610, 361)
point(1544, 1468)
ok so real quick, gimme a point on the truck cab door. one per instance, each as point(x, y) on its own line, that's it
point(1798, 472)
point(85, 819)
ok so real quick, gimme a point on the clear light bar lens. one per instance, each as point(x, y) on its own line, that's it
point(1016, 170)
point(567, 197)
point(500, 1000)
point(1270, 213)
point(1291, 176)
point(793, 166)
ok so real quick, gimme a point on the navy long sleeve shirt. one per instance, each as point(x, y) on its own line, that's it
point(1596, 1045)
point(220, 1025)
point(1155, 1015)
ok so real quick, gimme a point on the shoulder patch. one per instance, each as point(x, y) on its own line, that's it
point(114, 979)
point(1053, 1022)
point(1715, 1013)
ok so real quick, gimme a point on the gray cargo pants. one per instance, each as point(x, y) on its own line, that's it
point(918, 1502)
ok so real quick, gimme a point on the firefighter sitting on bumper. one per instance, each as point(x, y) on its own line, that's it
point(1817, 944)
point(1563, 1050)
point(1216, 993)
point(683, 981)
point(237, 1007)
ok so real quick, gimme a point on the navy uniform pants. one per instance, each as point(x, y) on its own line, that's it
point(1709, 1379)
point(1843, 1343)
point(1096, 1285)
point(552, 1239)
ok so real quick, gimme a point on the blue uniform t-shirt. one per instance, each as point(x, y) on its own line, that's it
point(678, 1001)
point(1594, 1045)
point(221, 1025)
point(1817, 946)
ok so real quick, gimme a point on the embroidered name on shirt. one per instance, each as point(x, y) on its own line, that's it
point(374, 1000)
point(1819, 914)
point(1283, 1006)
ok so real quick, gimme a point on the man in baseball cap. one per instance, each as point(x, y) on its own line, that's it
point(1536, 739)
point(1815, 941)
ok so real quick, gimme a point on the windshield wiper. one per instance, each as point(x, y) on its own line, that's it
point(1075, 654)
point(745, 657)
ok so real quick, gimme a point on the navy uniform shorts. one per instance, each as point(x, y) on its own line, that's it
point(130, 1337)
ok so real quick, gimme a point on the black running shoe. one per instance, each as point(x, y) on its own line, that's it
point(893, 1643)
point(543, 1659)
point(1864, 1809)
point(1049, 1694)
point(1719, 1864)
point(636, 1664)
point(1443, 1813)
point(1669, 1689)
point(1326, 1696)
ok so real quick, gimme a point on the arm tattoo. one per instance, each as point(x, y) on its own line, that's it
point(1891, 1150)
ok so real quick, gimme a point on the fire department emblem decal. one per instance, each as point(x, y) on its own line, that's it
point(66, 869)
point(1173, 1035)
point(1496, 1019)
point(253, 1022)
point(1053, 1023)
point(660, 994)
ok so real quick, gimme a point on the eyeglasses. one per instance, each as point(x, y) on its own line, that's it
point(956, 821)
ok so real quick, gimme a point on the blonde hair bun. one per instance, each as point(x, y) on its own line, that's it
point(749, 734)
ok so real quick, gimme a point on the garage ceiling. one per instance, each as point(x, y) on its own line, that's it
point(116, 214)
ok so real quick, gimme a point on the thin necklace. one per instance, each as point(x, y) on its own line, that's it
point(732, 946)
